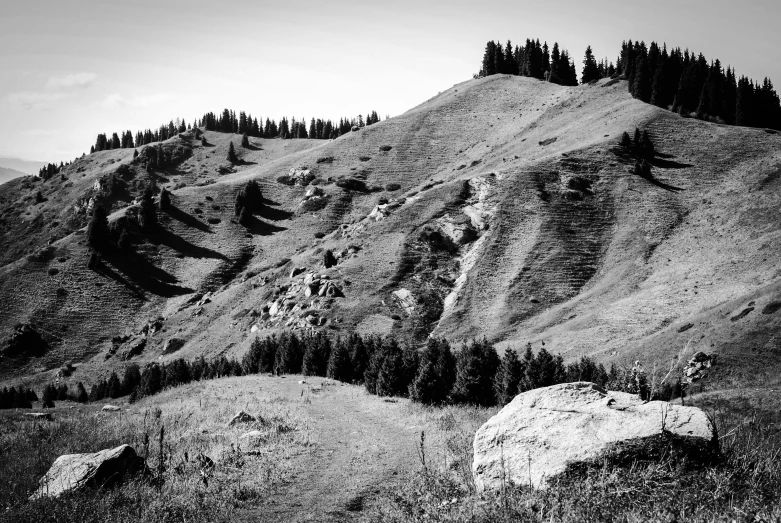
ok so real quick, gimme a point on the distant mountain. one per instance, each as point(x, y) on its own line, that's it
point(9, 174)
point(24, 166)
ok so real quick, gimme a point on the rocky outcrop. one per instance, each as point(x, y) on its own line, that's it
point(99, 469)
point(542, 432)
point(698, 366)
point(172, 345)
point(405, 300)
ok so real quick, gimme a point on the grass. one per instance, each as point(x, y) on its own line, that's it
point(434, 484)
point(743, 485)
point(180, 489)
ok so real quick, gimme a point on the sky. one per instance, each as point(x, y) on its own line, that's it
point(71, 69)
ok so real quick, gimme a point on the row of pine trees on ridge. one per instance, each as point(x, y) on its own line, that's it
point(245, 124)
point(434, 374)
point(672, 79)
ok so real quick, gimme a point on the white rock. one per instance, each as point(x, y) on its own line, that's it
point(405, 300)
point(110, 408)
point(540, 432)
point(77, 471)
point(254, 329)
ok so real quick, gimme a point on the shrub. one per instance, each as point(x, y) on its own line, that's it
point(329, 260)
point(319, 234)
point(245, 217)
point(165, 200)
point(314, 204)
point(147, 215)
point(245, 141)
point(392, 187)
point(286, 180)
point(626, 141)
point(98, 231)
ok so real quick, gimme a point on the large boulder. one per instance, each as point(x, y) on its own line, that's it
point(542, 432)
point(78, 471)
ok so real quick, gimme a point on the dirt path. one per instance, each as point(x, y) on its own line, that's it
point(362, 444)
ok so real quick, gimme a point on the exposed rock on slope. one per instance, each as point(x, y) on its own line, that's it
point(543, 431)
point(492, 234)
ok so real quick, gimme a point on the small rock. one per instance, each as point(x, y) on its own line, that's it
point(252, 434)
point(241, 417)
point(110, 408)
point(253, 329)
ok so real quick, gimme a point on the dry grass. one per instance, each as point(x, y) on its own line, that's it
point(743, 486)
point(193, 419)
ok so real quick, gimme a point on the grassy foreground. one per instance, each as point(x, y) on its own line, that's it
point(433, 484)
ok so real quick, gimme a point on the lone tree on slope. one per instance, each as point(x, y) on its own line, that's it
point(232, 158)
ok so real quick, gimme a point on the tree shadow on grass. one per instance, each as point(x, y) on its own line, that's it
point(187, 219)
point(664, 163)
point(661, 184)
point(141, 275)
point(261, 228)
point(274, 214)
point(182, 246)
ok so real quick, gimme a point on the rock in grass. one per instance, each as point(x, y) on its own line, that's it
point(543, 432)
point(241, 417)
point(110, 408)
point(99, 469)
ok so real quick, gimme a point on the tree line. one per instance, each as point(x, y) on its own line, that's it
point(676, 80)
point(434, 374)
point(228, 122)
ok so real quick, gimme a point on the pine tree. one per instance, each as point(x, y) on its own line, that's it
point(48, 396)
point(232, 158)
point(507, 381)
point(98, 230)
point(81, 393)
point(436, 373)
point(340, 363)
point(114, 387)
point(165, 199)
point(147, 214)
point(590, 69)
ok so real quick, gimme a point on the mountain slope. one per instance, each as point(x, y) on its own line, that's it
point(513, 216)
point(23, 166)
point(9, 174)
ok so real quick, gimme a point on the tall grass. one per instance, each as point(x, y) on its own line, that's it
point(182, 485)
point(743, 485)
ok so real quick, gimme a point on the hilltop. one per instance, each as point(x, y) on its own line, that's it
point(502, 207)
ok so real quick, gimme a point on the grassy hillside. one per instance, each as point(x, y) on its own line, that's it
point(502, 205)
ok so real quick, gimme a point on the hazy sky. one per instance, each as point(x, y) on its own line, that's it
point(73, 68)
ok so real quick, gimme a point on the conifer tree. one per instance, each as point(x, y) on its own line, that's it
point(98, 230)
point(232, 158)
point(340, 363)
point(147, 215)
point(507, 381)
point(165, 199)
point(81, 393)
point(590, 69)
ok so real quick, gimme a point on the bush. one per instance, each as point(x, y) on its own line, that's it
point(392, 187)
point(165, 200)
point(98, 232)
point(329, 260)
point(286, 180)
point(147, 214)
point(245, 141)
point(314, 204)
